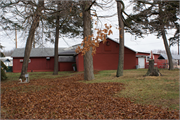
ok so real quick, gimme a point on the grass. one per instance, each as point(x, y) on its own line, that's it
point(159, 91)
point(37, 75)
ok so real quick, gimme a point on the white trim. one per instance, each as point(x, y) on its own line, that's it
point(147, 59)
point(21, 60)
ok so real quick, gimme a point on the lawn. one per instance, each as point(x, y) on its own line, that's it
point(67, 96)
point(159, 91)
point(37, 75)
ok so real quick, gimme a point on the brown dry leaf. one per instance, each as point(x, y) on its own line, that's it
point(70, 9)
point(66, 98)
point(80, 14)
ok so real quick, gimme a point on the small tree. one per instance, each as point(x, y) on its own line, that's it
point(69, 23)
point(3, 67)
point(34, 25)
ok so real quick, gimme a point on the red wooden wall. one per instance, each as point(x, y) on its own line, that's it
point(40, 64)
point(106, 57)
point(65, 66)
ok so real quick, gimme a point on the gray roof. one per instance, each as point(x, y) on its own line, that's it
point(68, 53)
point(49, 52)
point(141, 56)
point(71, 50)
point(149, 53)
point(66, 59)
point(36, 52)
point(164, 56)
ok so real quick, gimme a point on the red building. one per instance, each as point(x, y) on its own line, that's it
point(143, 57)
point(106, 58)
point(41, 60)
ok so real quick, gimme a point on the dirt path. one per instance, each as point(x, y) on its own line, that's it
point(66, 98)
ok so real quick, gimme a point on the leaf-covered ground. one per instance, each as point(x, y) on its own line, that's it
point(66, 98)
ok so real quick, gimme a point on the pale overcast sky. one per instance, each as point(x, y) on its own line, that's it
point(147, 44)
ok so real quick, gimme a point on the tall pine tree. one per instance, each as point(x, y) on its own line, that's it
point(154, 17)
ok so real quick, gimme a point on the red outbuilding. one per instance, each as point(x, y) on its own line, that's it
point(41, 60)
point(143, 57)
point(106, 58)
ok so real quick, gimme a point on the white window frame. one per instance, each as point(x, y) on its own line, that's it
point(21, 60)
point(147, 59)
point(29, 60)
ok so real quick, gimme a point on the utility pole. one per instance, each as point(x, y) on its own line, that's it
point(15, 37)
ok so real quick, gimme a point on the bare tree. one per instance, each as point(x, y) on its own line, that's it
point(65, 21)
point(121, 39)
point(56, 44)
point(164, 37)
point(88, 59)
point(34, 25)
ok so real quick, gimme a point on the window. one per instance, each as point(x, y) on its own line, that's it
point(21, 60)
point(147, 59)
point(47, 58)
point(107, 47)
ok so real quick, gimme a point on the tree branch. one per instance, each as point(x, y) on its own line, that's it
point(107, 16)
point(91, 5)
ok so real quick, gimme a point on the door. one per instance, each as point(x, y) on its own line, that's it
point(141, 62)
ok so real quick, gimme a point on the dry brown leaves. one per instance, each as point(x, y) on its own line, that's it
point(66, 98)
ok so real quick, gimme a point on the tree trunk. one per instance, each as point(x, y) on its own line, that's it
point(88, 58)
point(151, 70)
point(56, 46)
point(34, 42)
point(168, 52)
point(30, 38)
point(121, 41)
point(151, 66)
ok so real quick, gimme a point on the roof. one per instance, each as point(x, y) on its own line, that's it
point(141, 56)
point(164, 56)
point(36, 52)
point(70, 52)
point(149, 53)
point(4, 59)
point(66, 59)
